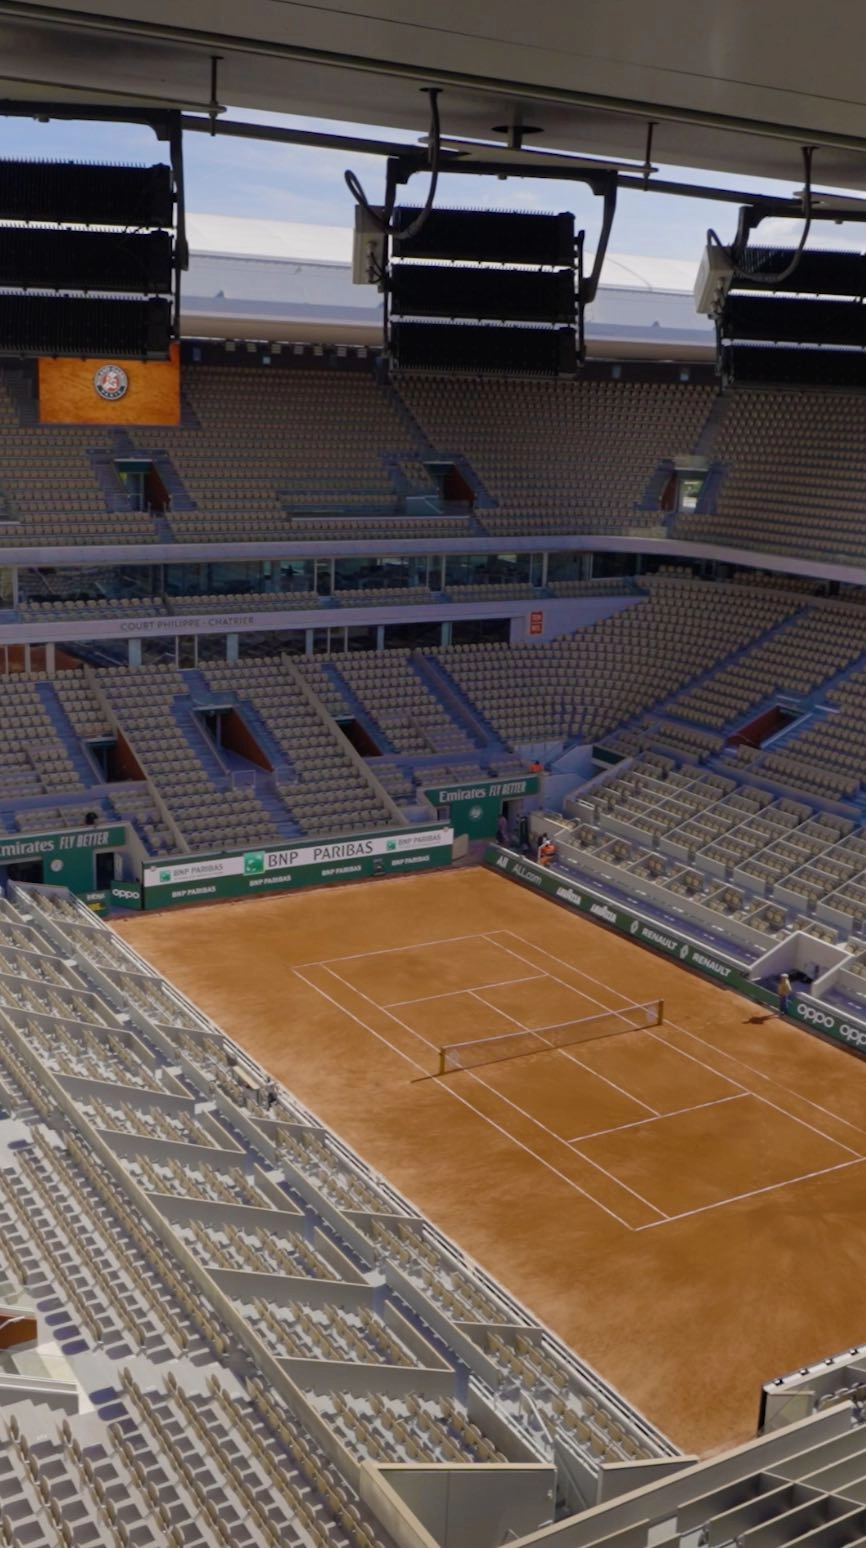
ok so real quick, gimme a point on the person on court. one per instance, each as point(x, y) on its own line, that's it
point(783, 989)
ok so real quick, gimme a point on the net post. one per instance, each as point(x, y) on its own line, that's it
point(441, 1069)
point(660, 1014)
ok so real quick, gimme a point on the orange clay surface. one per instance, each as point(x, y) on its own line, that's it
point(685, 1206)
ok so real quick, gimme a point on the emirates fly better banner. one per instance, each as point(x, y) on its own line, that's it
point(244, 872)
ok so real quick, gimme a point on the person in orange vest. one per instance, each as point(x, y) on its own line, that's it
point(546, 850)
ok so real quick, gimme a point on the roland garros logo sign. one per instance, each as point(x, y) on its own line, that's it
point(111, 382)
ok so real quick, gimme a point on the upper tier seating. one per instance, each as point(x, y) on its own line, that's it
point(584, 685)
point(325, 790)
point(398, 702)
point(271, 445)
point(204, 811)
point(327, 456)
point(796, 476)
point(559, 456)
point(49, 491)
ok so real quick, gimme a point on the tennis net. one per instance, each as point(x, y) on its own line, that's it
point(516, 1045)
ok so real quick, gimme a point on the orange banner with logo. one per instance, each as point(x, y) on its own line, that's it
point(110, 392)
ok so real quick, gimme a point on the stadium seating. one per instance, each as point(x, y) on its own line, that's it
point(559, 456)
point(264, 449)
point(819, 644)
point(50, 488)
point(542, 457)
point(174, 1446)
point(400, 705)
point(203, 808)
point(581, 686)
point(324, 789)
point(793, 476)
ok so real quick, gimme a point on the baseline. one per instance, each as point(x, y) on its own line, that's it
point(753, 1193)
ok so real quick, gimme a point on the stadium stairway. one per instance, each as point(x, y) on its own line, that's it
point(650, 500)
point(403, 483)
point(458, 705)
point(416, 431)
point(706, 442)
point(66, 734)
point(102, 462)
point(706, 502)
point(275, 807)
point(428, 452)
point(183, 713)
point(667, 705)
point(181, 499)
point(356, 709)
point(202, 695)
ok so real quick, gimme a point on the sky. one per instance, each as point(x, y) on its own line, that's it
point(263, 181)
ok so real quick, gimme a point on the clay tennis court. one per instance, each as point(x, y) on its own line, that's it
point(683, 1203)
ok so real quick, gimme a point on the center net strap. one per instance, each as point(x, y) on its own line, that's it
point(516, 1045)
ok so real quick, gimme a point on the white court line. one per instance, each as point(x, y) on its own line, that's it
point(693, 1059)
point(703, 1209)
point(705, 1043)
point(792, 1117)
point(804, 1123)
point(676, 1113)
point(720, 1052)
point(517, 1108)
point(500, 1012)
point(500, 983)
point(388, 951)
point(456, 1094)
point(593, 1001)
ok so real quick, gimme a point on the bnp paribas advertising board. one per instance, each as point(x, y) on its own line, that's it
point(252, 872)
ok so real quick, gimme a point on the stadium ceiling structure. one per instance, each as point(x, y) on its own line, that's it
point(734, 87)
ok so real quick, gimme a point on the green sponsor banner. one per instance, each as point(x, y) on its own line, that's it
point(712, 964)
point(814, 1014)
point(66, 857)
point(474, 809)
point(125, 894)
point(96, 901)
point(38, 846)
point(245, 873)
point(819, 1017)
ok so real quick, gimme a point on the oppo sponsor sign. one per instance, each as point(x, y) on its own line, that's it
point(824, 1020)
point(300, 865)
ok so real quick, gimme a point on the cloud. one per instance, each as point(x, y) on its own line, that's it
point(787, 233)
